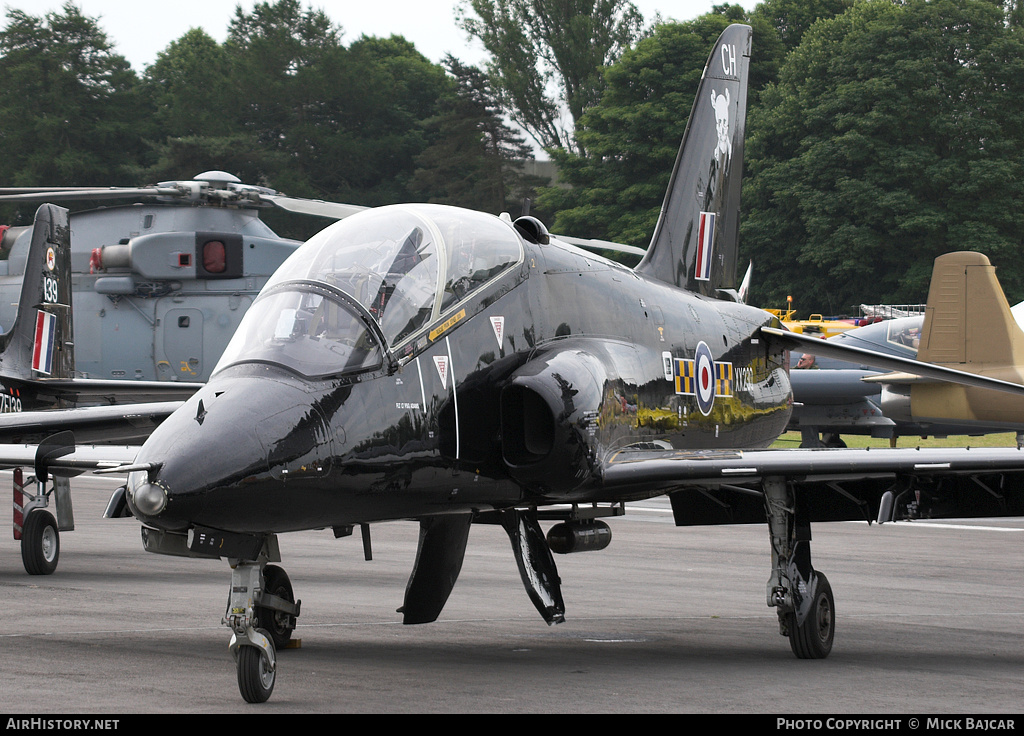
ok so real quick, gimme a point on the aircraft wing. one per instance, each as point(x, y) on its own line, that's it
point(864, 484)
point(112, 391)
point(640, 467)
point(77, 460)
point(91, 424)
point(830, 349)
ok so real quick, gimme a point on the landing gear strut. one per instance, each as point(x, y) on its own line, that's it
point(802, 596)
point(36, 527)
point(261, 615)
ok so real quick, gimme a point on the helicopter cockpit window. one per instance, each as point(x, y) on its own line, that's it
point(305, 331)
point(406, 264)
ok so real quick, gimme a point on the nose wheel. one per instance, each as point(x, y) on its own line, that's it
point(261, 614)
point(257, 669)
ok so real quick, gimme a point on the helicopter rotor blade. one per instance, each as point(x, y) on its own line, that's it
point(601, 245)
point(318, 207)
point(78, 195)
point(214, 187)
point(31, 190)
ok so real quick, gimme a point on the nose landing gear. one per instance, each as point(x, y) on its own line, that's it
point(256, 662)
point(261, 614)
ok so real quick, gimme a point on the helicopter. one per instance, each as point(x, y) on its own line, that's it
point(161, 277)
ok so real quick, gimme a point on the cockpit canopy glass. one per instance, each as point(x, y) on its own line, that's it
point(407, 264)
point(905, 333)
point(305, 330)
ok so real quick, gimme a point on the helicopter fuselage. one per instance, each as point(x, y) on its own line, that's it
point(145, 307)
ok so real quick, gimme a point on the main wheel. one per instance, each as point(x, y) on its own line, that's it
point(255, 678)
point(40, 543)
point(832, 439)
point(813, 640)
point(280, 625)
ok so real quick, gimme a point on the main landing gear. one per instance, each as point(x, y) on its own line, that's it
point(802, 596)
point(36, 527)
point(261, 614)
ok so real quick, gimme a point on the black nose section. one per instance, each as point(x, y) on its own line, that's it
point(232, 443)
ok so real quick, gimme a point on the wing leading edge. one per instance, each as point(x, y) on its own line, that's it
point(634, 468)
point(879, 484)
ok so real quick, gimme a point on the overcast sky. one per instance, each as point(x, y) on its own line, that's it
point(140, 30)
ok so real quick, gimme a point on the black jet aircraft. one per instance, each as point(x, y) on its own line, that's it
point(434, 364)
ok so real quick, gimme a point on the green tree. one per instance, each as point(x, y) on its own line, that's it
point(310, 117)
point(277, 52)
point(196, 125)
point(69, 104)
point(538, 45)
point(792, 18)
point(892, 136)
point(615, 189)
point(188, 85)
point(381, 96)
point(475, 159)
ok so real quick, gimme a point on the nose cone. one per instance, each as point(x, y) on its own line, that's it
point(219, 459)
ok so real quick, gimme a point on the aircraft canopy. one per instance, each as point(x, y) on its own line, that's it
point(406, 265)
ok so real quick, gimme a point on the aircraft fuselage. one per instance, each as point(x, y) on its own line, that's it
point(513, 398)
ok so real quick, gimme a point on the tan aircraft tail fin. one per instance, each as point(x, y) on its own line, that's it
point(968, 320)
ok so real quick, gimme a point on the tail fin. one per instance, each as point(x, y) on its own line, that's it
point(967, 318)
point(696, 241)
point(40, 343)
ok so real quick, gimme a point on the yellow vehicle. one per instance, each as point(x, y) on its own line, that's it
point(815, 324)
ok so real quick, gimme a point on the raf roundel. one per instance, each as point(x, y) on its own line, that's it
point(704, 368)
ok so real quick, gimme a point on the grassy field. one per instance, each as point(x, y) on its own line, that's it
point(1007, 439)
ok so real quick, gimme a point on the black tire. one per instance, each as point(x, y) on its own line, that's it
point(255, 680)
point(279, 625)
point(40, 543)
point(814, 639)
point(833, 440)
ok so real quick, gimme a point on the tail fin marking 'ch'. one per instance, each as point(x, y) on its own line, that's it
point(696, 241)
point(40, 342)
